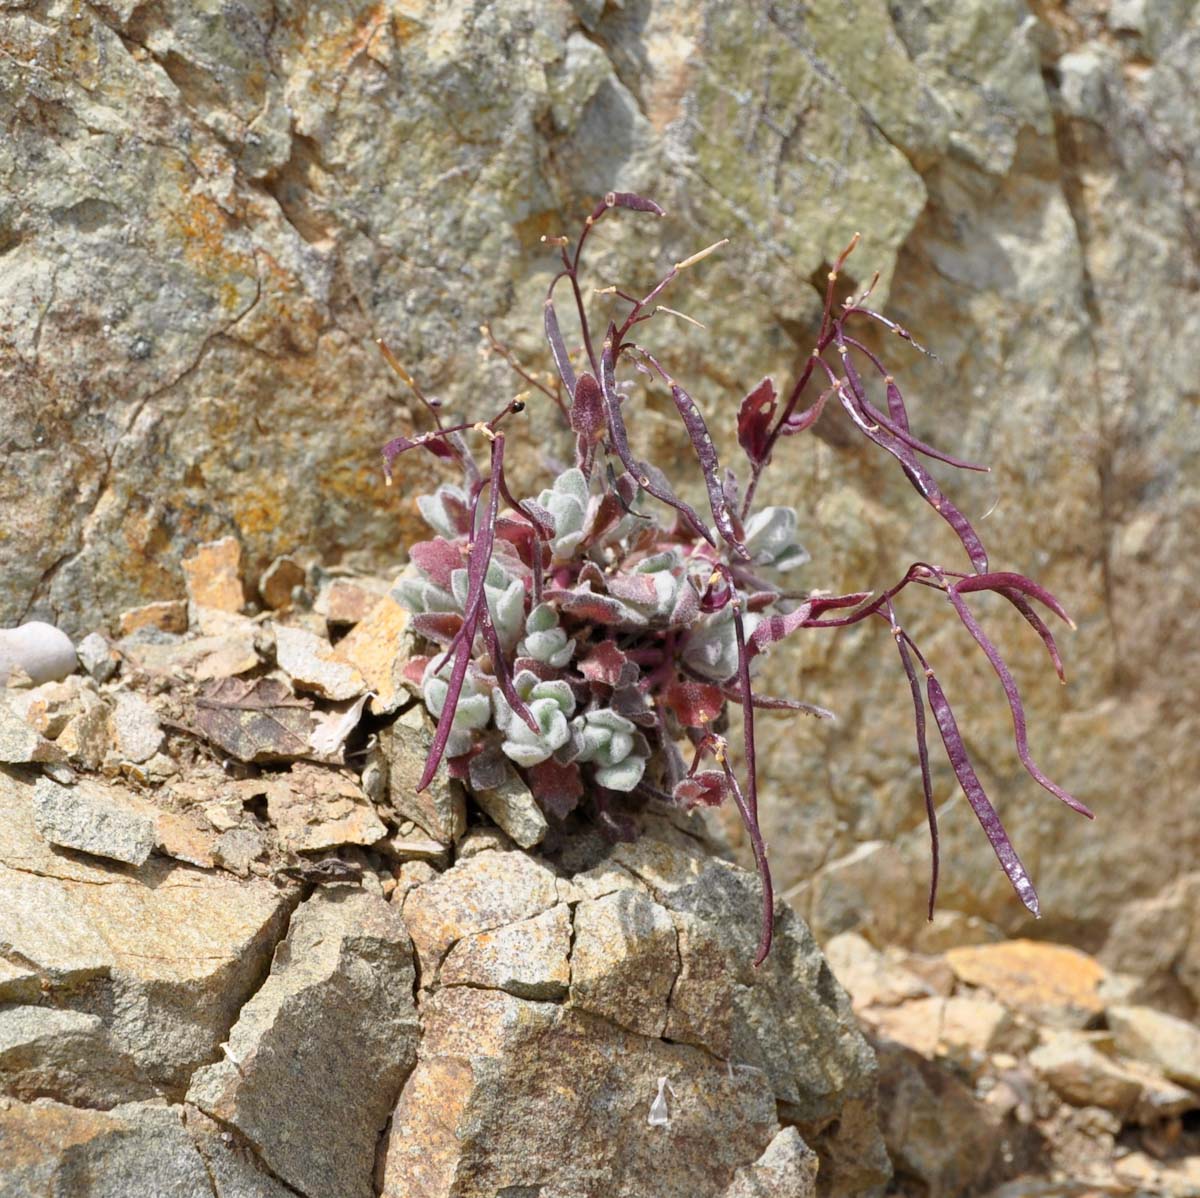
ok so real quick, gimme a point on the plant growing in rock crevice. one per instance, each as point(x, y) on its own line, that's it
point(585, 644)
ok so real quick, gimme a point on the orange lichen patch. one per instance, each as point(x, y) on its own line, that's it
point(532, 229)
point(1030, 975)
point(373, 648)
point(212, 573)
point(168, 615)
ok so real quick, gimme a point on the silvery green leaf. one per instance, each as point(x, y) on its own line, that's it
point(507, 609)
point(605, 717)
point(433, 510)
point(791, 558)
point(502, 713)
point(619, 746)
point(624, 776)
point(460, 584)
point(711, 646)
point(555, 691)
point(434, 693)
point(472, 712)
point(459, 741)
point(656, 562)
point(541, 619)
point(572, 482)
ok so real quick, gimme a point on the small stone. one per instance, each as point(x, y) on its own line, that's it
point(135, 724)
point(278, 581)
point(625, 960)
point(86, 738)
point(223, 814)
point(1171, 1045)
point(964, 1028)
point(167, 615)
point(409, 876)
point(478, 895)
point(314, 1104)
point(527, 958)
point(349, 600)
point(441, 807)
point(92, 818)
point(212, 573)
point(37, 651)
point(310, 662)
point(483, 838)
point(318, 808)
point(377, 647)
point(869, 977)
point(1083, 1076)
point(1059, 985)
point(184, 838)
point(414, 845)
point(238, 848)
point(513, 807)
point(97, 656)
point(20, 744)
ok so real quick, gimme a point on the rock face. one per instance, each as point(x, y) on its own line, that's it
point(204, 223)
point(645, 950)
point(171, 1029)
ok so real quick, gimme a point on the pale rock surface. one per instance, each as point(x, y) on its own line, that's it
point(1169, 1044)
point(441, 808)
point(36, 652)
point(164, 954)
point(514, 809)
point(1082, 1075)
point(529, 958)
point(316, 1058)
point(624, 961)
point(787, 1169)
point(93, 818)
point(20, 744)
point(97, 656)
point(136, 729)
point(212, 573)
point(310, 662)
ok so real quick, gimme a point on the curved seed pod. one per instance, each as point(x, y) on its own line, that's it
point(627, 199)
point(620, 443)
point(755, 414)
point(501, 670)
point(922, 480)
point(923, 756)
point(1014, 703)
point(1005, 580)
point(1038, 625)
point(750, 819)
point(977, 797)
point(728, 525)
point(558, 348)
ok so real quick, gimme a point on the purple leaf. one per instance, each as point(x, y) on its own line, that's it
point(632, 588)
point(557, 787)
point(434, 442)
point(755, 414)
point(601, 609)
point(706, 788)
point(1014, 702)
point(695, 704)
point(977, 797)
point(587, 410)
point(775, 628)
point(436, 559)
point(728, 525)
point(441, 627)
point(608, 666)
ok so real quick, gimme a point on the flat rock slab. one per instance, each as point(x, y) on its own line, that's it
point(528, 958)
point(311, 663)
point(20, 744)
point(316, 1059)
point(165, 954)
point(1169, 1044)
point(91, 818)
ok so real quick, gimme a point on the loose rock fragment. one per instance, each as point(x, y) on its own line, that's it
point(279, 579)
point(213, 575)
point(167, 615)
point(319, 808)
point(97, 657)
point(441, 808)
point(94, 819)
point(515, 810)
point(1083, 1076)
point(135, 723)
point(317, 1057)
point(787, 1169)
point(20, 744)
point(377, 648)
point(1169, 1044)
point(349, 600)
point(310, 662)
